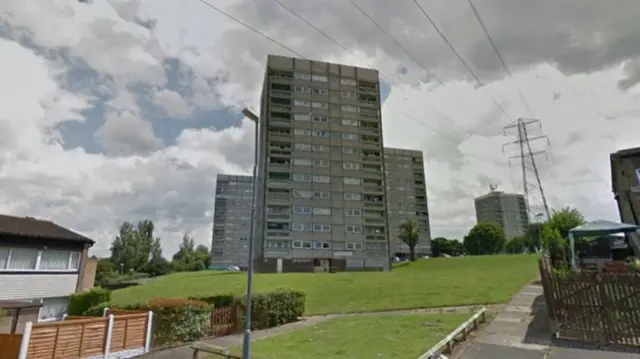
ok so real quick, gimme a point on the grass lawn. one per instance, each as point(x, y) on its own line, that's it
point(365, 337)
point(436, 282)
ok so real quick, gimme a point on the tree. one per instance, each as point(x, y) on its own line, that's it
point(485, 238)
point(135, 247)
point(518, 244)
point(106, 271)
point(410, 235)
point(190, 258)
point(441, 246)
point(157, 264)
point(566, 219)
point(554, 244)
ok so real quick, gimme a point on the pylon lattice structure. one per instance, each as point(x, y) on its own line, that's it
point(535, 198)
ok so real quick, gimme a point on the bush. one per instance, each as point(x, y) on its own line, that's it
point(217, 301)
point(179, 320)
point(96, 310)
point(272, 309)
point(81, 302)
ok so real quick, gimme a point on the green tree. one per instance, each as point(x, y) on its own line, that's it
point(554, 244)
point(485, 238)
point(518, 244)
point(106, 272)
point(190, 258)
point(566, 219)
point(134, 247)
point(441, 246)
point(410, 235)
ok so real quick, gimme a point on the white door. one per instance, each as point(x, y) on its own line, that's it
point(279, 265)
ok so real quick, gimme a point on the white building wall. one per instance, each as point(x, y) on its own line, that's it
point(36, 286)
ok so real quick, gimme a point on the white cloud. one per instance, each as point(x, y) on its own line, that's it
point(128, 44)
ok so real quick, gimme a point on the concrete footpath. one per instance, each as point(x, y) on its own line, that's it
point(521, 330)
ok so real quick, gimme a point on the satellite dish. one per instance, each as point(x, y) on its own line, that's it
point(493, 187)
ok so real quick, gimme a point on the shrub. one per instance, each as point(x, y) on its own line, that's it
point(81, 302)
point(96, 310)
point(217, 301)
point(179, 320)
point(272, 309)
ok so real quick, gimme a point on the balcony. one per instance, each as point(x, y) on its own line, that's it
point(369, 112)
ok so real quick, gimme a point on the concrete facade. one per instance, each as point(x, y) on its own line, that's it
point(406, 198)
point(625, 180)
point(508, 210)
point(231, 222)
point(321, 184)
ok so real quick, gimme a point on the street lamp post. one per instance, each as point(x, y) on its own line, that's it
point(246, 342)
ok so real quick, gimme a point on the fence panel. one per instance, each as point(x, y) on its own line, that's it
point(129, 331)
point(595, 307)
point(68, 339)
point(224, 321)
point(10, 346)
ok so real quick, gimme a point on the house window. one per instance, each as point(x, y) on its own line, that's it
point(4, 257)
point(22, 259)
point(301, 117)
point(301, 162)
point(350, 150)
point(320, 148)
point(53, 309)
point(298, 177)
point(352, 180)
point(353, 212)
point(354, 246)
point(349, 82)
point(321, 195)
point(302, 76)
point(322, 119)
point(320, 163)
point(320, 211)
point(349, 136)
point(352, 196)
point(321, 179)
point(320, 91)
point(318, 133)
point(301, 227)
point(302, 89)
point(322, 228)
point(302, 194)
point(302, 132)
point(351, 166)
point(321, 245)
point(59, 260)
point(303, 103)
point(347, 108)
point(303, 147)
point(302, 244)
point(319, 78)
point(277, 244)
point(302, 210)
point(322, 105)
point(349, 122)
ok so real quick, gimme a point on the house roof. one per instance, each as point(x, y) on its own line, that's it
point(14, 304)
point(39, 229)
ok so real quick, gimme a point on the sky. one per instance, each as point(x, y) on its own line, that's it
point(124, 110)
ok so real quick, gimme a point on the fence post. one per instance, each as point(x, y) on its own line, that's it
point(147, 342)
point(107, 339)
point(64, 317)
point(105, 311)
point(24, 344)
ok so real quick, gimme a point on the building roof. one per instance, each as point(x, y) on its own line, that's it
point(14, 304)
point(39, 229)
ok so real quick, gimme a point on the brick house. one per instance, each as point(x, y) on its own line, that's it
point(41, 263)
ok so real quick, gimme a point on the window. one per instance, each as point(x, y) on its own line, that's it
point(322, 228)
point(301, 76)
point(59, 260)
point(349, 228)
point(302, 89)
point(322, 105)
point(301, 117)
point(349, 82)
point(321, 245)
point(352, 196)
point(349, 122)
point(353, 212)
point(354, 246)
point(301, 162)
point(345, 108)
point(322, 119)
point(319, 78)
point(352, 180)
point(301, 244)
point(298, 177)
point(349, 136)
point(302, 210)
point(320, 91)
point(350, 150)
point(349, 94)
point(277, 244)
point(301, 132)
point(4, 257)
point(302, 147)
point(318, 133)
point(22, 259)
point(321, 195)
point(320, 163)
point(302, 194)
point(320, 148)
point(322, 179)
point(351, 166)
point(53, 309)
point(300, 227)
point(303, 103)
point(320, 211)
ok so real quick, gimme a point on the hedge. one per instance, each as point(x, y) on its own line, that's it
point(273, 309)
point(179, 320)
point(81, 302)
point(217, 301)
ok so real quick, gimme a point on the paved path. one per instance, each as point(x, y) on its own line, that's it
point(236, 340)
point(521, 330)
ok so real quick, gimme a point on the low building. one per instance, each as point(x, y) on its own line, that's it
point(44, 263)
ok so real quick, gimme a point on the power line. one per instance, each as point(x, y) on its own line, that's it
point(418, 62)
point(442, 35)
point(495, 49)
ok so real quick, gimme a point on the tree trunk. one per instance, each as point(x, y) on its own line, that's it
point(412, 253)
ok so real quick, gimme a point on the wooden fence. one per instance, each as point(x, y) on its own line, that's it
point(594, 307)
point(225, 321)
point(10, 345)
point(74, 338)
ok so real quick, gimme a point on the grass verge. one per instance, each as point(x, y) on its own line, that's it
point(360, 337)
point(437, 282)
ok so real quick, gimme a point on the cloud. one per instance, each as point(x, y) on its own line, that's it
point(129, 70)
